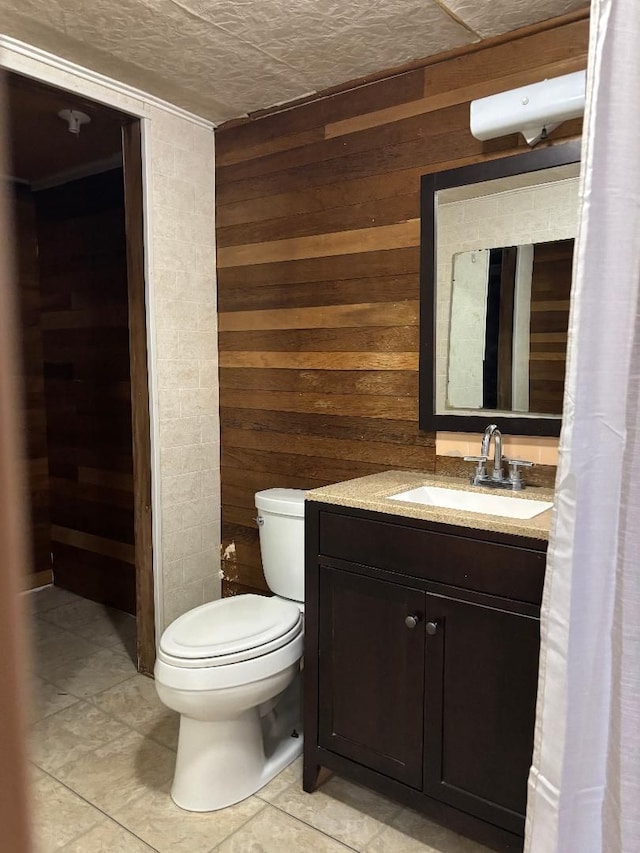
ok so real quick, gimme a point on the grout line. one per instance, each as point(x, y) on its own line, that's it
point(37, 617)
point(93, 806)
point(311, 826)
point(242, 825)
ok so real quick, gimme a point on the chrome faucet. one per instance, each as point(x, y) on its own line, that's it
point(490, 432)
point(497, 478)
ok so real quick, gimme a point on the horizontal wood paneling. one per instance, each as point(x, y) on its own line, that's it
point(318, 256)
point(550, 301)
point(87, 381)
point(35, 416)
point(325, 317)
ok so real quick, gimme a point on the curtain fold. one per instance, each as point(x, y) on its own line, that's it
point(584, 785)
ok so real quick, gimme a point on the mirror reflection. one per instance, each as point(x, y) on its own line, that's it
point(503, 262)
point(508, 327)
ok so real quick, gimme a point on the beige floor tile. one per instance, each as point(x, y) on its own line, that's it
point(53, 647)
point(104, 626)
point(68, 735)
point(345, 811)
point(44, 633)
point(59, 815)
point(290, 775)
point(47, 699)
point(136, 703)
point(42, 600)
point(112, 775)
point(77, 612)
point(411, 832)
point(155, 818)
point(107, 837)
point(92, 674)
point(272, 831)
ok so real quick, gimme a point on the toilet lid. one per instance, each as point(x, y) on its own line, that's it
point(230, 627)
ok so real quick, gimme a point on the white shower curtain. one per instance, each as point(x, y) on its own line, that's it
point(584, 786)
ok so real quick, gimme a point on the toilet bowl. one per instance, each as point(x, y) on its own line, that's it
point(231, 669)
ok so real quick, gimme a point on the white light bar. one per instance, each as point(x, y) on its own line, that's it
point(534, 111)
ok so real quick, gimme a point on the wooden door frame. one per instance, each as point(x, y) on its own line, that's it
point(132, 162)
point(21, 58)
point(140, 412)
point(14, 700)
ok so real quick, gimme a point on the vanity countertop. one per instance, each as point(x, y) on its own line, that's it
point(372, 493)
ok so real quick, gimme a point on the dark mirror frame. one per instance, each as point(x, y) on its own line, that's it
point(517, 164)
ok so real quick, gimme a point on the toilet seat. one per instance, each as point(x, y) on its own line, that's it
point(230, 631)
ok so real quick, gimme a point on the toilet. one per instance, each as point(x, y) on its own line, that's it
point(232, 670)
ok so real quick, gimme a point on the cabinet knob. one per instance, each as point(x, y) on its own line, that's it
point(431, 628)
point(411, 621)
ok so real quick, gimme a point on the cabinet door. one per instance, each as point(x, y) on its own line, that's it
point(371, 673)
point(481, 684)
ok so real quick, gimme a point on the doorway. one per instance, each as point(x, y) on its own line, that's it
point(79, 243)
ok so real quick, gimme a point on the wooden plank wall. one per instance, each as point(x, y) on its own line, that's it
point(550, 295)
point(86, 352)
point(318, 271)
point(34, 412)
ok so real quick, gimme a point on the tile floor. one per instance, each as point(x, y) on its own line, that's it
point(103, 750)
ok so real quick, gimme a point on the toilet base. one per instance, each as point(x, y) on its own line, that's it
point(222, 762)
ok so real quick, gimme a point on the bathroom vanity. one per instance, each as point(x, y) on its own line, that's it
point(421, 651)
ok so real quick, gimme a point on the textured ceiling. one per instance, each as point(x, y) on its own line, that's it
point(224, 58)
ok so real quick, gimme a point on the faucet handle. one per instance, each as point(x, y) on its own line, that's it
point(481, 471)
point(519, 463)
point(514, 470)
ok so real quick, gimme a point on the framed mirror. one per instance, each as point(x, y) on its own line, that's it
point(497, 244)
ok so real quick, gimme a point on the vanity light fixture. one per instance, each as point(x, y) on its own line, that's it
point(534, 111)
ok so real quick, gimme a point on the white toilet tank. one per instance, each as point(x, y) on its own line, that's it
point(281, 526)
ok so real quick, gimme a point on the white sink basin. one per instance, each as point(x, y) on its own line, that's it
point(467, 501)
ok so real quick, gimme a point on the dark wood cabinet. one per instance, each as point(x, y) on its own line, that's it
point(421, 664)
point(371, 677)
point(482, 672)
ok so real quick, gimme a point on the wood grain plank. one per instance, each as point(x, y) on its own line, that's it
point(307, 467)
point(401, 339)
point(369, 214)
point(140, 409)
point(34, 580)
point(375, 382)
point(551, 305)
point(332, 268)
point(392, 408)
point(308, 294)
point(94, 544)
point(401, 235)
point(33, 387)
point(549, 337)
point(353, 450)
point(228, 156)
point(320, 360)
point(109, 478)
point(322, 317)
